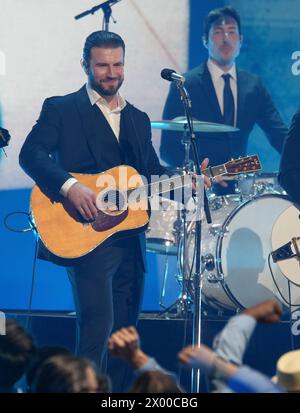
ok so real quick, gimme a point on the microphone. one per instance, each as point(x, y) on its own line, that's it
point(171, 75)
point(286, 251)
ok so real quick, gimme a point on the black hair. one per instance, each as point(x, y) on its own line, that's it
point(103, 39)
point(65, 373)
point(217, 14)
point(17, 349)
point(155, 382)
point(42, 354)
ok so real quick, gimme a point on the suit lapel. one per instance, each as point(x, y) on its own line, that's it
point(96, 129)
point(241, 96)
point(209, 90)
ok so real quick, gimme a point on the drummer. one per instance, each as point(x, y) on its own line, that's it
point(222, 93)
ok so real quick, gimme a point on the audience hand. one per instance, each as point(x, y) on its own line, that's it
point(268, 311)
point(125, 344)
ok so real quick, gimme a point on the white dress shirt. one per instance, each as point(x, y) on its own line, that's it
point(219, 83)
point(113, 117)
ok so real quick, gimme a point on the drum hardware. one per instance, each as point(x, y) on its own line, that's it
point(216, 230)
point(178, 227)
point(187, 126)
point(165, 228)
point(254, 185)
point(163, 288)
point(208, 261)
point(215, 278)
point(286, 244)
point(217, 203)
point(287, 251)
point(211, 278)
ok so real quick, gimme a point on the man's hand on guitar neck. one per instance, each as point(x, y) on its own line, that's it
point(207, 182)
point(84, 200)
point(204, 165)
point(221, 181)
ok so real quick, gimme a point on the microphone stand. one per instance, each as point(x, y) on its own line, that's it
point(106, 8)
point(196, 339)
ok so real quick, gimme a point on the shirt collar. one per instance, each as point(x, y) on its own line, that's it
point(95, 97)
point(216, 72)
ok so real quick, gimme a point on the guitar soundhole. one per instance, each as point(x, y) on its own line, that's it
point(113, 210)
point(111, 202)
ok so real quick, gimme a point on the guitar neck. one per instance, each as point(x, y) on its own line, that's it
point(177, 182)
point(215, 171)
point(165, 185)
point(234, 167)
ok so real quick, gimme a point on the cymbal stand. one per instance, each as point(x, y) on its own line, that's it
point(196, 339)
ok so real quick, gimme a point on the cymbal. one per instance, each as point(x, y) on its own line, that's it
point(178, 124)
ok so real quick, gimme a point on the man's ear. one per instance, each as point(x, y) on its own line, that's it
point(85, 66)
point(204, 41)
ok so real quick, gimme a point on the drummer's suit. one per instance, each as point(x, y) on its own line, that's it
point(254, 106)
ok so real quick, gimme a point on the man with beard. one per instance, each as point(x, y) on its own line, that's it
point(222, 93)
point(90, 131)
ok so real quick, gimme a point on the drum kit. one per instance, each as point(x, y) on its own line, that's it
point(236, 271)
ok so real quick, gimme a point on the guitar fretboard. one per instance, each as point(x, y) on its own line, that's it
point(215, 171)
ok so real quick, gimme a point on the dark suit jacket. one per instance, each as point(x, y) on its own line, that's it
point(71, 135)
point(254, 106)
point(289, 171)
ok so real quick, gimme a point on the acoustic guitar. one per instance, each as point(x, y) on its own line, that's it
point(122, 201)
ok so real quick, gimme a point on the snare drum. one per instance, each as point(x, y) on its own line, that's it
point(165, 227)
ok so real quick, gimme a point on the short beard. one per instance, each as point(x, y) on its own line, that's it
point(105, 92)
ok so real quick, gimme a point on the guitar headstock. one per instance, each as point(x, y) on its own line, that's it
point(243, 165)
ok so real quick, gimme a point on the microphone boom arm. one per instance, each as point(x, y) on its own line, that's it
point(106, 7)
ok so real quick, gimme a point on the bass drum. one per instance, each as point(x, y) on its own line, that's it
point(235, 250)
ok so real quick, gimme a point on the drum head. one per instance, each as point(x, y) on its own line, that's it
point(244, 251)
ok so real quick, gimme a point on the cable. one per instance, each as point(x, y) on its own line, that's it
point(22, 231)
point(19, 231)
point(27, 322)
point(276, 285)
point(291, 320)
